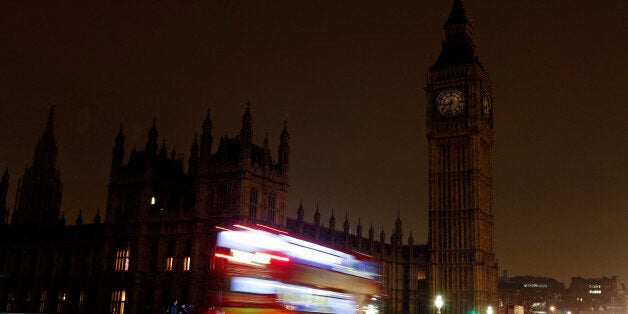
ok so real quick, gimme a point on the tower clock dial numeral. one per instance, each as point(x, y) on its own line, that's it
point(450, 103)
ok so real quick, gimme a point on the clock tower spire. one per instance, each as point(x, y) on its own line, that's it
point(459, 128)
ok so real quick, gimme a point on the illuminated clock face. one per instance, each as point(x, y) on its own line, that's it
point(450, 103)
point(486, 107)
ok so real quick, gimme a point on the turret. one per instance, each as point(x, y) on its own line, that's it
point(317, 221)
point(173, 153)
point(79, 219)
point(267, 158)
point(332, 222)
point(411, 245)
point(382, 240)
point(38, 197)
point(206, 139)
point(300, 214)
point(246, 136)
point(194, 157)
point(46, 152)
point(117, 155)
point(284, 149)
point(371, 239)
point(97, 217)
point(61, 220)
point(151, 143)
point(163, 152)
point(358, 228)
point(332, 228)
point(358, 231)
point(398, 235)
point(458, 46)
point(345, 229)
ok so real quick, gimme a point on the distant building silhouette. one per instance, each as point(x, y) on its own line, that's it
point(546, 295)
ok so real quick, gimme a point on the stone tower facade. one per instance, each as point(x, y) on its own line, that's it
point(38, 200)
point(459, 126)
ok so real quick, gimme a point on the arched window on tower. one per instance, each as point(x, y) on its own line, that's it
point(122, 258)
point(272, 207)
point(253, 203)
point(221, 199)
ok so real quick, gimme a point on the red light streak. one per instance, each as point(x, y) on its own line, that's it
point(223, 256)
point(246, 228)
point(279, 258)
point(273, 229)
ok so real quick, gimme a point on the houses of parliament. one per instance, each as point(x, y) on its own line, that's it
point(152, 244)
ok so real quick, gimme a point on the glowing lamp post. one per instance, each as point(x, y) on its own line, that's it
point(489, 310)
point(439, 303)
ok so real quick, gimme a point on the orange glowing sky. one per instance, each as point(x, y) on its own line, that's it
point(349, 77)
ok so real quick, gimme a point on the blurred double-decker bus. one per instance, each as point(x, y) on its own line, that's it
point(260, 269)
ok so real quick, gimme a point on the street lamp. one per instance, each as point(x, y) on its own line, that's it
point(489, 310)
point(439, 303)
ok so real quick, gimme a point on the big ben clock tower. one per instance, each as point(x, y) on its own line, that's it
point(462, 266)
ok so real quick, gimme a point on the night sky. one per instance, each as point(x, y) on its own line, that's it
point(349, 78)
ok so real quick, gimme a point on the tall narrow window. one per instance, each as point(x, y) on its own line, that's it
point(30, 302)
point(61, 301)
point(272, 205)
point(186, 263)
point(253, 203)
point(43, 300)
point(170, 257)
point(11, 302)
point(221, 199)
point(122, 258)
point(272, 201)
point(118, 297)
point(187, 252)
point(81, 302)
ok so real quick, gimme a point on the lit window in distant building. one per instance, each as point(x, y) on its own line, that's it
point(122, 258)
point(420, 275)
point(118, 297)
point(43, 300)
point(29, 299)
point(61, 301)
point(153, 200)
point(81, 302)
point(11, 302)
point(186, 263)
point(170, 257)
point(169, 263)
